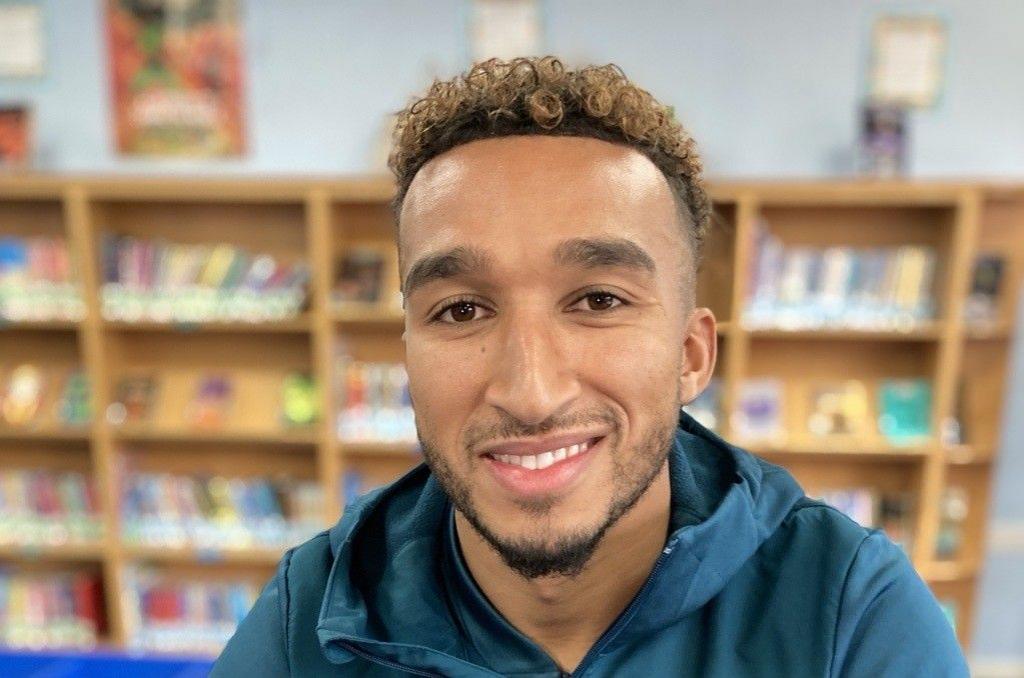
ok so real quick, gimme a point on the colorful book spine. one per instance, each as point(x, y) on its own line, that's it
point(218, 513)
point(375, 403)
point(158, 281)
point(801, 287)
point(189, 616)
point(51, 610)
point(45, 508)
point(37, 281)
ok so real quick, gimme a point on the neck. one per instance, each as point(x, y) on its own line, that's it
point(566, 615)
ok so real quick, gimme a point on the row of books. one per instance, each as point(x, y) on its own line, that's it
point(891, 512)
point(953, 509)
point(801, 287)
point(900, 411)
point(211, 406)
point(216, 513)
point(37, 280)
point(50, 610)
point(375, 402)
point(24, 389)
point(188, 616)
point(166, 282)
point(48, 508)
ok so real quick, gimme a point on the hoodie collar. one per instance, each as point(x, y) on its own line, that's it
point(399, 591)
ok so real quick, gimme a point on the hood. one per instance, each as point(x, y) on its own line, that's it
point(389, 595)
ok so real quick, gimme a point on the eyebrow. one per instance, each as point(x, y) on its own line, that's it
point(461, 260)
point(584, 253)
point(603, 252)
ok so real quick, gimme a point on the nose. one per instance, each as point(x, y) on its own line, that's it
point(534, 376)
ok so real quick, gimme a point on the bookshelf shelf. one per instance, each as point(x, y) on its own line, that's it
point(45, 433)
point(39, 325)
point(249, 437)
point(53, 553)
point(299, 325)
point(190, 555)
point(926, 332)
point(330, 227)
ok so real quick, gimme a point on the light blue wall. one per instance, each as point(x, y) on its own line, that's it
point(767, 88)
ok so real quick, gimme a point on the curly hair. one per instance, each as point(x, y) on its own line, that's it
point(539, 96)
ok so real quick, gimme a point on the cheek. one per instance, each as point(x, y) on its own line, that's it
point(442, 382)
point(638, 366)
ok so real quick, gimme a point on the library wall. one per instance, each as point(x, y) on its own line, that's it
point(704, 57)
point(744, 119)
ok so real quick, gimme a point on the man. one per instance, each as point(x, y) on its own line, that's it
point(570, 519)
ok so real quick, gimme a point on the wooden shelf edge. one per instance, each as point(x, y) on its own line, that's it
point(147, 434)
point(51, 552)
point(52, 433)
point(191, 555)
point(297, 325)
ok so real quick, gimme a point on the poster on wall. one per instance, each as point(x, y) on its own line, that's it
point(15, 136)
point(176, 76)
point(907, 60)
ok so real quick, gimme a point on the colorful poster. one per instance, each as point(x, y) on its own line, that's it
point(15, 136)
point(176, 75)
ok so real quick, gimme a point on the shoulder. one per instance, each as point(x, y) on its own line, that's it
point(281, 625)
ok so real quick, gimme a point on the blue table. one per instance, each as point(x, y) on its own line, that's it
point(100, 663)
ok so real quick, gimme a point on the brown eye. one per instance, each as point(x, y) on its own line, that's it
point(462, 311)
point(601, 301)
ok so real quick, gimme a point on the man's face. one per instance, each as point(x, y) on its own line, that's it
point(545, 330)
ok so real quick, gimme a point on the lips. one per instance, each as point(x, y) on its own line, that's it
point(526, 472)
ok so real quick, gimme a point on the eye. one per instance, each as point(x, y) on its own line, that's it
point(459, 311)
point(601, 300)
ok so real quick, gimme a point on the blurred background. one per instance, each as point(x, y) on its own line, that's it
point(200, 355)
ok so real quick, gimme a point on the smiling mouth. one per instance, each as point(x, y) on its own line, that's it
point(543, 460)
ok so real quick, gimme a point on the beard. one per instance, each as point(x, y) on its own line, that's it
point(565, 554)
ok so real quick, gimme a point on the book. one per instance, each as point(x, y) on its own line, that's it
point(982, 304)
point(211, 405)
point(706, 408)
point(361, 276)
point(74, 404)
point(48, 508)
point(375, 402)
point(953, 509)
point(758, 413)
point(839, 409)
point(803, 287)
point(54, 610)
point(184, 614)
point(217, 513)
point(300, 399)
point(159, 281)
point(22, 395)
point(905, 410)
point(135, 395)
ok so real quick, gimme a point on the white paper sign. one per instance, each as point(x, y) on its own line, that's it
point(505, 29)
point(908, 57)
point(21, 40)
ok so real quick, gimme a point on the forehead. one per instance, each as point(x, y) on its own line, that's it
point(518, 195)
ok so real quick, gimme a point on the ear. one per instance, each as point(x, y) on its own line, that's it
point(700, 351)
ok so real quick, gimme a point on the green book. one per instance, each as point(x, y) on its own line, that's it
point(905, 410)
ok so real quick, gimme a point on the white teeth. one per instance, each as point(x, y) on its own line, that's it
point(544, 459)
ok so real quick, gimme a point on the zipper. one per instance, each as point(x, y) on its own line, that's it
point(385, 662)
point(625, 617)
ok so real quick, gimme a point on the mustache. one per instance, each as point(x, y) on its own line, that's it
point(509, 427)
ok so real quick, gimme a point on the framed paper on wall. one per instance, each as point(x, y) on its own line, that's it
point(907, 60)
point(176, 74)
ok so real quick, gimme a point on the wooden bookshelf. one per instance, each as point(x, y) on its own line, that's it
point(317, 220)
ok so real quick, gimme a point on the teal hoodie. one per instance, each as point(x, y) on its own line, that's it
point(755, 579)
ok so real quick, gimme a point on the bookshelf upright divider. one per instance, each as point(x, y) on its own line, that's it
point(83, 238)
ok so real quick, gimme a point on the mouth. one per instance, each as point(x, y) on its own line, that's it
point(543, 473)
